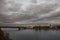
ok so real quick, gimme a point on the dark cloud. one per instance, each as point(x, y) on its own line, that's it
point(34, 1)
point(6, 10)
point(11, 12)
point(45, 11)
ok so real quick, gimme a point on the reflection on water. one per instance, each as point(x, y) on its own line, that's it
point(34, 34)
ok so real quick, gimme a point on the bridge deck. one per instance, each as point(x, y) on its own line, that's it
point(19, 28)
point(10, 27)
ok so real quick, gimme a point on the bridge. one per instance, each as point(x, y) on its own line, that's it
point(19, 28)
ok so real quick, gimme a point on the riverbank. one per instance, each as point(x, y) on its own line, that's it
point(4, 35)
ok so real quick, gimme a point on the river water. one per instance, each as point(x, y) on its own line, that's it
point(34, 34)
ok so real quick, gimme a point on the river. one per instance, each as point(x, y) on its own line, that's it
point(34, 34)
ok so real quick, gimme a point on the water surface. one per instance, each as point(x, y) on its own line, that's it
point(34, 34)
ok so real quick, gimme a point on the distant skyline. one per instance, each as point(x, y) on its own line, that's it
point(29, 11)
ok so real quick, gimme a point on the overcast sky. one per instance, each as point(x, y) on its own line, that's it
point(29, 11)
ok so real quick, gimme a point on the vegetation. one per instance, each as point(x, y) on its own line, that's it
point(3, 36)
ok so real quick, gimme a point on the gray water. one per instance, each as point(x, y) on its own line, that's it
point(34, 34)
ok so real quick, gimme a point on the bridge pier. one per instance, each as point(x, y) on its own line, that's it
point(19, 28)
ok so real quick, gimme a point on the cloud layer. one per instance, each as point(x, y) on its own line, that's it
point(40, 11)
